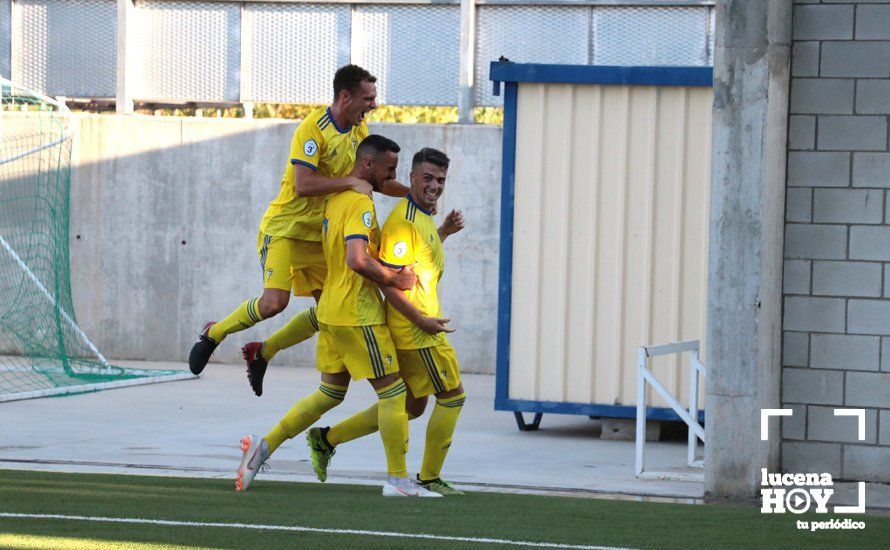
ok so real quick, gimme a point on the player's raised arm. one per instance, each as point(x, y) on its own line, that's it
point(308, 184)
point(453, 223)
point(358, 260)
point(393, 188)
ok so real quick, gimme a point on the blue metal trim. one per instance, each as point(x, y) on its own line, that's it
point(304, 163)
point(505, 270)
point(586, 409)
point(600, 74)
point(357, 236)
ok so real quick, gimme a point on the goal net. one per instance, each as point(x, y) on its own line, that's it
point(43, 351)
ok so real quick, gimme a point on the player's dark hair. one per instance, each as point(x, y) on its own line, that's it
point(350, 77)
point(432, 156)
point(375, 145)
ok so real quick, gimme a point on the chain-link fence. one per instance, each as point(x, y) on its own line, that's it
point(286, 52)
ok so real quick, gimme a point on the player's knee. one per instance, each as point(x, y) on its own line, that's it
point(415, 406)
point(384, 381)
point(272, 304)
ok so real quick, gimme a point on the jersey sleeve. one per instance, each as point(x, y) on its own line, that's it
point(397, 243)
point(359, 218)
point(308, 144)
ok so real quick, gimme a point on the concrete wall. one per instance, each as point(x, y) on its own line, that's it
point(837, 241)
point(165, 213)
point(751, 68)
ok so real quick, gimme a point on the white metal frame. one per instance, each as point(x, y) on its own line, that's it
point(689, 414)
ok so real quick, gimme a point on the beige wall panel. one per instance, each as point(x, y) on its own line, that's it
point(609, 274)
point(638, 233)
point(527, 242)
point(698, 200)
point(581, 224)
point(667, 267)
point(610, 237)
point(696, 205)
point(555, 184)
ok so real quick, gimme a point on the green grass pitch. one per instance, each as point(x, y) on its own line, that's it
point(529, 518)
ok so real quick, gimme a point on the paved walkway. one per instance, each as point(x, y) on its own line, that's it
point(192, 428)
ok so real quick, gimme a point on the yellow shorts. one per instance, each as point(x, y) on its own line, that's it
point(430, 370)
point(291, 264)
point(365, 352)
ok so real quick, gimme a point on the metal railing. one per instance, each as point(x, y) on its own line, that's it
point(425, 52)
point(688, 414)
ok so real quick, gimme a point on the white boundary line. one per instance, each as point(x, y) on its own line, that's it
point(308, 530)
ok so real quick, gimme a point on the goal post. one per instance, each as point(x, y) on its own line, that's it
point(43, 350)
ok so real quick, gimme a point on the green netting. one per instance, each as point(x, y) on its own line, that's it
point(42, 349)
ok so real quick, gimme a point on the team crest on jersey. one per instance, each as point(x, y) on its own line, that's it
point(310, 148)
point(366, 218)
point(389, 359)
point(400, 248)
point(354, 144)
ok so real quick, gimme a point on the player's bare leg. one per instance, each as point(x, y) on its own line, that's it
point(271, 303)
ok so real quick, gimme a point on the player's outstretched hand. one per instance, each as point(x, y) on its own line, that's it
point(434, 325)
point(453, 223)
point(360, 186)
point(405, 278)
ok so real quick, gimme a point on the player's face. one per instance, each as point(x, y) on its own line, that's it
point(361, 102)
point(383, 168)
point(428, 184)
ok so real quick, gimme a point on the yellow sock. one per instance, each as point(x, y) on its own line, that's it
point(393, 422)
point(438, 435)
point(358, 425)
point(300, 328)
point(304, 413)
point(245, 316)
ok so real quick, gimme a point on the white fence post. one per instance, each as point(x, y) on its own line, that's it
point(641, 409)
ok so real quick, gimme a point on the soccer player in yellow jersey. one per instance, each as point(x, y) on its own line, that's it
point(354, 341)
point(322, 155)
point(426, 360)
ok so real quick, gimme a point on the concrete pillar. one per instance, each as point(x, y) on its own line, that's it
point(751, 77)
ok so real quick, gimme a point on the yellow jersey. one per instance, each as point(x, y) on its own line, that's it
point(409, 237)
point(349, 300)
point(329, 151)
